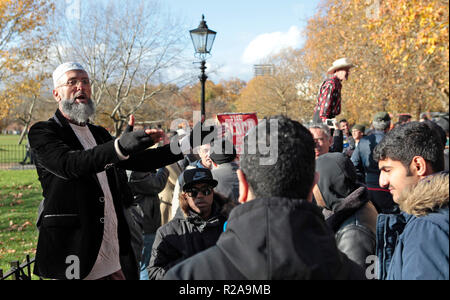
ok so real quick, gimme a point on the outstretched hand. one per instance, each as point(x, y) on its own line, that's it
point(132, 142)
point(156, 134)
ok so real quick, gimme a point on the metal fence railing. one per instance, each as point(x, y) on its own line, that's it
point(15, 157)
point(19, 271)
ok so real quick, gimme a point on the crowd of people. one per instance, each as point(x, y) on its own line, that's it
point(337, 199)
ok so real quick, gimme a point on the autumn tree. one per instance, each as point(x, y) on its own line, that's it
point(219, 98)
point(126, 47)
point(413, 36)
point(32, 101)
point(400, 49)
point(22, 46)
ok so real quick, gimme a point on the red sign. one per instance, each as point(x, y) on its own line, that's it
point(237, 125)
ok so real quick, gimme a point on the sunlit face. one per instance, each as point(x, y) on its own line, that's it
point(198, 201)
point(74, 85)
point(73, 95)
point(394, 176)
point(344, 127)
point(204, 152)
point(322, 142)
point(357, 134)
point(342, 74)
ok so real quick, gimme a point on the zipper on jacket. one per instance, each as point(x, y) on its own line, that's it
point(61, 215)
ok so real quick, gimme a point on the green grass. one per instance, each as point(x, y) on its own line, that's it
point(20, 195)
point(10, 139)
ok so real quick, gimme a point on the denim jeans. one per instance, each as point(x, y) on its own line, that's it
point(146, 254)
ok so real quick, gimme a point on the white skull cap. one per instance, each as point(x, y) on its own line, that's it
point(63, 68)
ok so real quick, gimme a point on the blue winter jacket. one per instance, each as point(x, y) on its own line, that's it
point(366, 166)
point(415, 244)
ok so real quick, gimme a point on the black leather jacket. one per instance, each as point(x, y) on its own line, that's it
point(354, 225)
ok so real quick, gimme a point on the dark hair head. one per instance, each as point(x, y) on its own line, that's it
point(438, 131)
point(412, 139)
point(222, 151)
point(291, 174)
point(343, 120)
point(442, 122)
point(402, 118)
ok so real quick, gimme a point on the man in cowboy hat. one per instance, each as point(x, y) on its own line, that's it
point(329, 100)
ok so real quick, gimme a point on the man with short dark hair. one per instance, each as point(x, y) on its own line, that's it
point(358, 131)
point(415, 243)
point(348, 143)
point(367, 167)
point(278, 233)
point(404, 118)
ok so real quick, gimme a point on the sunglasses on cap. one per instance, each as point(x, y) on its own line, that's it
point(194, 192)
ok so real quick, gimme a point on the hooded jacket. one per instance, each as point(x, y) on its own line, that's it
point(347, 211)
point(185, 235)
point(415, 243)
point(271, 238)
point(228, 183)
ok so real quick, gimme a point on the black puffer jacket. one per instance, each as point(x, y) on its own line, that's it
point(271, 239)
point(185, 236)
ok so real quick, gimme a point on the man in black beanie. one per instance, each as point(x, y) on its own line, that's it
point(223, 156)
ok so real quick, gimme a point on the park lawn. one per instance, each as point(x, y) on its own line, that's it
point(10, 139)
point(20, 195)
point(10, 151)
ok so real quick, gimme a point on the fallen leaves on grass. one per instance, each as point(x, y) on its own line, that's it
point(31, 251)
point(24, 225)
point(7, 251)
point(13, 226)
point(16, 202)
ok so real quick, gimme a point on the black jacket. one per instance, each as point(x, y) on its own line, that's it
point(354, 223)
point(71, 222)
point(185, 236)
point(145, 187)
point(366, 166)
point(275, 238)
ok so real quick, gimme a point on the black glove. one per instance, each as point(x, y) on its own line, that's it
point(129, 128)
point(134, 142)
point(207, 135)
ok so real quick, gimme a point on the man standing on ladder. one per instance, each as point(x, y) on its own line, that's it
point(329, 99)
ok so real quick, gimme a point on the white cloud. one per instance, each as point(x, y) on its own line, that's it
point(271, 43)
point(235, 70)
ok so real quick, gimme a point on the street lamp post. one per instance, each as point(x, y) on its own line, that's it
point(203, 39)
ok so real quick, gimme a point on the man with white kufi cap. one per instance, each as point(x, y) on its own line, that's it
point(329, 100)
point(85, 225)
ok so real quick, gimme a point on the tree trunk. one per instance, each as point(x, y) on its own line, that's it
point(27, 122)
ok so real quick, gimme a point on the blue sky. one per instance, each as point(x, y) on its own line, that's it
point(247, 30)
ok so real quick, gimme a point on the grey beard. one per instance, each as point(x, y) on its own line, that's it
point(78, 112)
